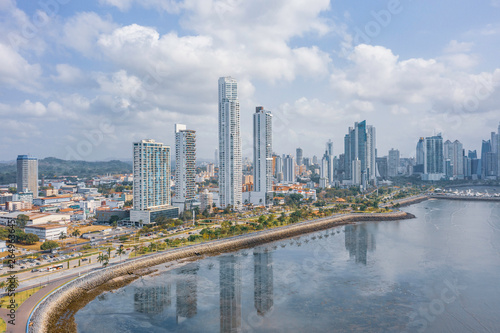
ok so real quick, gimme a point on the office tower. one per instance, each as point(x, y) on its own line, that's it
point(485, 149)
point(263, 280)
point(151, 182)
point(307, 161)
point(329, 147)
point(216, 157)
point(27, 174)
point(230, 170)
point(327, 167)
point(289, 169)
point(299, 156)
point(230, 294)
point(498, 152)
point(382, 166)
point(420, 151)
point(360, 143)
point(433, 158)
point(262, 150)
point(371, 154)
point(185, 165)
point(315, 160)
point(356, 172)
point(393, 163)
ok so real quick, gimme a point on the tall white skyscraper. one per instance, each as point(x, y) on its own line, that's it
point(27, 174)
point(151, 182)
point(371, 144)
point(185, 169)
point(230, 172)
point(262, 150)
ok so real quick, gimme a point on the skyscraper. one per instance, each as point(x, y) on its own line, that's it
point(288, 169)
point(27, 174)
point(433, 158)
point(393, 163)
point(485, 150)
point(360, 144)
point(151, 182)
point(230, 171)
point(454, 152)
point(262, 150)
point(299, 155)
point(185, 165)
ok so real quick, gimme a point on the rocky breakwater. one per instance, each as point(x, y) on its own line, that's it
point(55, 312)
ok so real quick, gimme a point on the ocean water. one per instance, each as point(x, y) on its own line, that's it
point(439, 272)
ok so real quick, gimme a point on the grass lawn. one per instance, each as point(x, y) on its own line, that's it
point(20, 297)
point(3, 325)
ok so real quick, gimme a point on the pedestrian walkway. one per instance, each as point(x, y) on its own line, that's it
point(24, 311)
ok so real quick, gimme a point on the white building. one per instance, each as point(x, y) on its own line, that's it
point(230, 170)
point(27, 174)
point(289, 169)
point(356, 172)
point(151, 182)
point(206, 201)
point(393, 163)
point(47, 231)
point(262, 151)
point(371, 157)
point(185, 169)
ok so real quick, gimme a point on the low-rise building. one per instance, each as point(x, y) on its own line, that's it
point(52, 200)
point(47, 231)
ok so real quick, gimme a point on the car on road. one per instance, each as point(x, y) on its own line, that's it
point(37, 264)
point(85, 259)
point(35, 270)
point(23, 267)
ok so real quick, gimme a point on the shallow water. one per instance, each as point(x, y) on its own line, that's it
point(436, 273)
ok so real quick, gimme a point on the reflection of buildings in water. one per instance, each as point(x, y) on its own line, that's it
point(230, 294)
point(151, 300)
point(263, 280)
point(358, 241)
point(186, 289)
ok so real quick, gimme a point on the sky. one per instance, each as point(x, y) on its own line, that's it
point(83, 80)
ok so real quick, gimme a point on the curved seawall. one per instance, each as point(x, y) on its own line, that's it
point(49, 311)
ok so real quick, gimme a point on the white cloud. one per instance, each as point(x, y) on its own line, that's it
point(67, 74)
point(16, 72)
point(82, 31)
point(458, 47)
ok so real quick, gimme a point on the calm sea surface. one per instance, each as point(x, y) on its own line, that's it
point(439, 272)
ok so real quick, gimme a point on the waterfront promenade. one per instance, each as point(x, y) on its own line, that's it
point(55, 305)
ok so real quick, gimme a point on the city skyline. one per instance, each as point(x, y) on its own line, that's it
point(70, 93)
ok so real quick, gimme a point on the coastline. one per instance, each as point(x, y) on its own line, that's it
point(55, 312)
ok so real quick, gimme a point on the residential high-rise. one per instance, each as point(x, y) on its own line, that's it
point(393, 163)
point(329, 147)
point(151, 190)
point(288, 169)
point(485, 149)
point(230, 170)
point(498, 152)
point(27, 174)
point(299, 156)
point(420, 151)
point(185, 165)
point(454, 152)
point(382, 167)
point(206, 201)
point(262, 150)
point(433, 158)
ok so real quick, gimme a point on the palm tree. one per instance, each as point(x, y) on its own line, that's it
point(62, 236)
point(120, 251)
point(103, 259)
point(75, 234)
point(151, 246)
point(109, 252)
point(136, 248)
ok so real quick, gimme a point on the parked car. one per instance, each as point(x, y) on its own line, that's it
point(37, 264)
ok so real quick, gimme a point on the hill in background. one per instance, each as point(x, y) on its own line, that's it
point(51, 167)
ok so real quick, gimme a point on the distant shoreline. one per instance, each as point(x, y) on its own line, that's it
point(77, 293)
